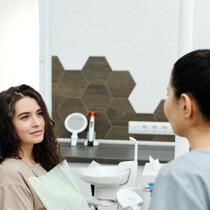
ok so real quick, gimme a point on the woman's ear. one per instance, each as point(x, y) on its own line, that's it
point(187, 103)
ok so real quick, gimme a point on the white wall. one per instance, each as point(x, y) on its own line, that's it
point(19, 43)
point(136, 35)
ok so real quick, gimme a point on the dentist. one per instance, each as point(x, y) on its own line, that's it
point(184, 183)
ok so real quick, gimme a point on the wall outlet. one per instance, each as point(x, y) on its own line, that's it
point(148, 127)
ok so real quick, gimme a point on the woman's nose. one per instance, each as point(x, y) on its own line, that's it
point(35, 122)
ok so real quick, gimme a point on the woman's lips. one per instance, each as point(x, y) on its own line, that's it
point(38, 132)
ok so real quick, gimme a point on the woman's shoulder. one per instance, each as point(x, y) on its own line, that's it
point(16, 168)
point(9, 164)
point(186, 164)
point(11, 171)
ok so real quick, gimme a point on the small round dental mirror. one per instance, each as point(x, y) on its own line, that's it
point(75, 123)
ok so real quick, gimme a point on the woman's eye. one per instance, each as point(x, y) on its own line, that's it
point(24, 117)
point(40, 113)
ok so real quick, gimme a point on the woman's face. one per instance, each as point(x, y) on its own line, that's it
point(28, 121)
point(173, 110)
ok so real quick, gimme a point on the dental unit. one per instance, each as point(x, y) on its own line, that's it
point(128, 199)
point(108, 180)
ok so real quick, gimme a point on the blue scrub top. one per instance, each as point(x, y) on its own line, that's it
point(184, 183)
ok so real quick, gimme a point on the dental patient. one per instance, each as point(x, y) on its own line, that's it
point(29, 150)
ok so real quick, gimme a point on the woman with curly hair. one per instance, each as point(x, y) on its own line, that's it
point(28, 146)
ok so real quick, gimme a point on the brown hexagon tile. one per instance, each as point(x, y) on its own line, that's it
point(57, 97)
point(148, 137)
point(96, 70)
point(120, 112)
point(120, 84)
point(57, 69)
point(83, 135)
point(71, 105)
point(82, 91)
point(118, 133)
point(64, 133)
point(163, 138)
point(96, 97)
point(159, 113)
point(143, 137)
point(72, 84)
point(144, 117)
point(59, 126)
point(102, 125)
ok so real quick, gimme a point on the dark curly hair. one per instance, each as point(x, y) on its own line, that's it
point(47, 152)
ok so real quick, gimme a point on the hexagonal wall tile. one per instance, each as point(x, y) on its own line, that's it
point(146, 13)
point(57, 40)
point(120, 84)
point(171, 22)
point(64, 133)
point(72, 93)
point(96, 70)
point(121, 55)
point(71, 105)
point(201, 36)
point(58, 11)
point(97, 41)
point(57, 97)
point(120, 112)
point(162, 53)
point(161, 85)
point(167, 138)
point(57, 69)
point(72, 6)
point(159, 113)
point(102, 125)
point(144, 117)
point(145, 69)
point(118, 132)
point(96, 97)
point(73, 55)
point(73, 26)
point(72, 84)
point(97, 13)
point(146, 103)
point(144, 137)
point(201, 16)
point(121, 27)
point(122, 5)
point(59, 127)
point(169, 6)
point(141, 44)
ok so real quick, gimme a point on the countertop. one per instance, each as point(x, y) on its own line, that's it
point(115, 153)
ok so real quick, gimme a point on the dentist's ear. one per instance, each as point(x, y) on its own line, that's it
point(188, 105)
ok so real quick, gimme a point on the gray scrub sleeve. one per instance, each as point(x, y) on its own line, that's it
point(179, 191)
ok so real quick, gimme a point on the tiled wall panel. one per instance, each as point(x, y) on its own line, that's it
point(97, 87)
point(137, 37)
